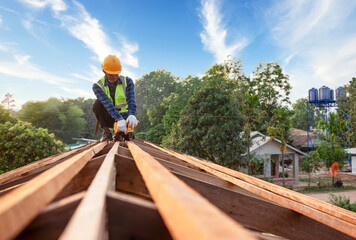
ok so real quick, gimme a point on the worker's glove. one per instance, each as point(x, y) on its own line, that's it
point(132, 121)
point(121, 125)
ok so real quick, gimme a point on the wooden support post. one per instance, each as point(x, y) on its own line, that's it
point(19, 207)
point(325, 213)
point(186, 214)
point(88, 221)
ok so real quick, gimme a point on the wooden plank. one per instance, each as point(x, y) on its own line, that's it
point(19, 207)
point(134, 218)
point(129, 179)
point(333, 221)
point(83, 179)
point(251, 212)
point(52, 220)
point(304, 199)
point(29, 167)
point(186, 214)
point(91, 210)
point(264, 216)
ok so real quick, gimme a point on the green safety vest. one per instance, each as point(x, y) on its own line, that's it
point(120, 93)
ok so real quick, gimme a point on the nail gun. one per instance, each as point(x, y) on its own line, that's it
point(121, 136)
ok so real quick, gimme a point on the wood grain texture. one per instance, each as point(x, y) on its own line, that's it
point(88, 221)
point(186, 214)
point(325, 213)
point(19, 207)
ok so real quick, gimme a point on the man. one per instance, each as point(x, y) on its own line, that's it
point(115, 99)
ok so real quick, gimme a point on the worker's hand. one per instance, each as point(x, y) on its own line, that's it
point(121, 125)
point(132, 121)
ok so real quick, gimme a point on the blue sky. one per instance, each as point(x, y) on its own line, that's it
point(54, 48)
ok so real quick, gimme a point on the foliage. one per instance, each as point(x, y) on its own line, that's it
point(211, 125)
point(335, 128)
point(280, 128)
point(300, 112)
point(150, 90)
point(63, 118)
point(330, 152)
point(5, 116)
point(342, 201)
point(311, 164)
point(347, 110)
point(273, 88)
point(256, 166)
point(21, 143)
point(90, 121)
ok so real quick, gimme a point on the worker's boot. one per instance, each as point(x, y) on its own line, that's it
point(106, 136)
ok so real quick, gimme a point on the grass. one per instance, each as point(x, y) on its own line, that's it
point(326, 189)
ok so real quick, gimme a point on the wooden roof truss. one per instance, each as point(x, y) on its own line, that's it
point(138, 190)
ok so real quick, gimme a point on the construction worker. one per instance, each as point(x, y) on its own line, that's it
point(115, 99)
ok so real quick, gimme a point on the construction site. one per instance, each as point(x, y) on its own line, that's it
point(138, 190)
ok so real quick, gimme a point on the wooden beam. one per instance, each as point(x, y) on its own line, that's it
point(91, 210)
point(83, 179)
point(49, 160)
point(129, 179)
point(19, 207)
point(264, 216)
point(341, 224)
point(162, 155)
point(134, 218)
point(251, 212)
point(51, 221)
point(186, 214)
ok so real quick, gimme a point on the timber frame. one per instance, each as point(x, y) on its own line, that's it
point(138, 190)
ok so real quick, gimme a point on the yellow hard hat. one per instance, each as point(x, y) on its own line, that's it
point(111, 65)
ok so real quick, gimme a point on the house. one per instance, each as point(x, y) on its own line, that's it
point(352, 152)
point(269, 149)
point(299, 139)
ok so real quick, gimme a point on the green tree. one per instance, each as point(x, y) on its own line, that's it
point(150, 90)
point(86, 105)
point(211, 125)
point(300, 112)
point(280, 128)
point(347, 110)
point(5, 116)
point(175, 104)
point(335, 129)
point(311, 164)
point(63, 118)
point(21, 143)
point(330, 152)
point(272, 86)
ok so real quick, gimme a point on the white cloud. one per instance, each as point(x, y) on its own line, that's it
point(56, 5)
point(21, 67)
point(0, 20)
point(214, 35)
point(87, 29)
point(317, 41)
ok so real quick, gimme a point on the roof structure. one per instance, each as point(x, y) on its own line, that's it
point(259, 139)
point(138, 190)
point(300, 137)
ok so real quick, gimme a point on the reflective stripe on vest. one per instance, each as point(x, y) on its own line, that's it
point(120, 93)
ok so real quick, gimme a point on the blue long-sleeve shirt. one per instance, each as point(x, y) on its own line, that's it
point(109, 105)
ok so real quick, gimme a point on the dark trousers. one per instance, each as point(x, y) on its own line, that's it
point(102, 115)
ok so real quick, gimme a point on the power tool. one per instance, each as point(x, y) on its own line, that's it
point(121, 136)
